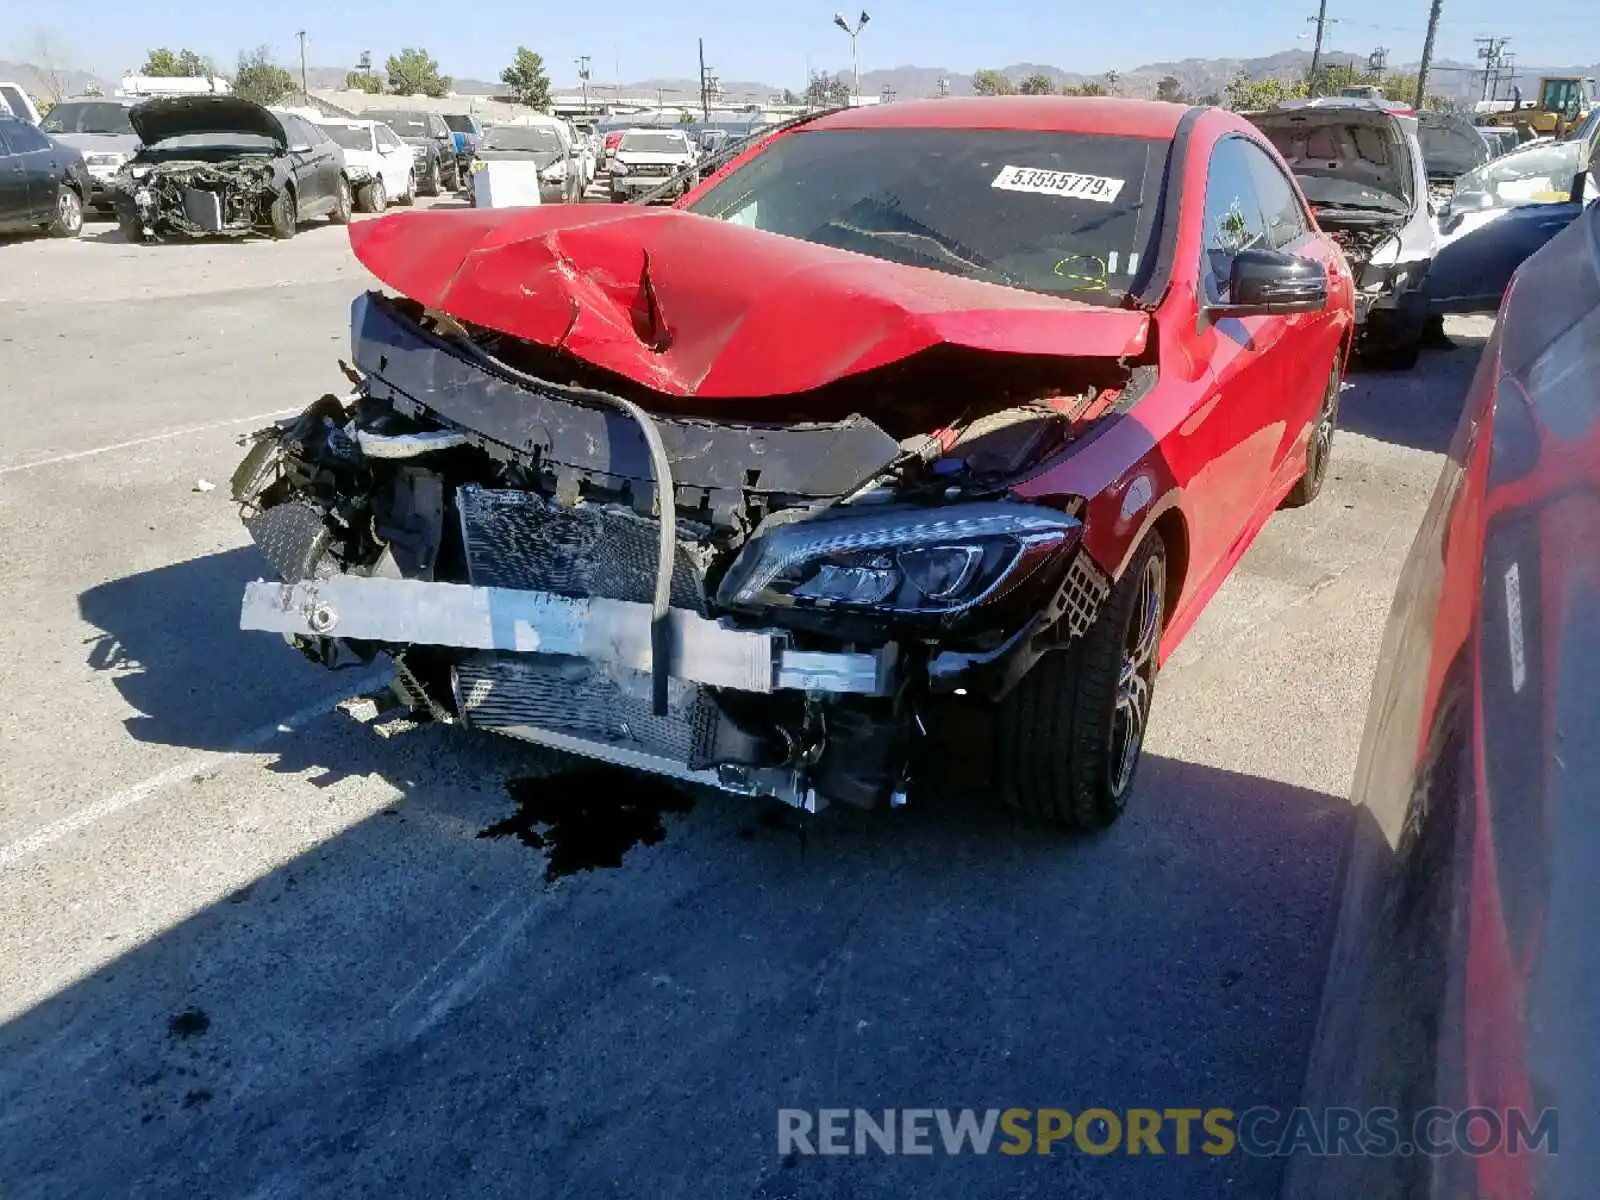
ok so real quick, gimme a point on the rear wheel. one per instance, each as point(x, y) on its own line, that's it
point(1319, 448)
point(1069, 737)
point(343, 204)
point(409, 197)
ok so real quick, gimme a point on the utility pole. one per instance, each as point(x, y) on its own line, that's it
point(705, 95)
point(1321, 21)
point(1378, 61)
point(886, 96)
point(305, 92)
point(583, 78)
point(1489, 50)
point(944, 86)
point(1505, 69)
point(855, 59)
point(1427, 55)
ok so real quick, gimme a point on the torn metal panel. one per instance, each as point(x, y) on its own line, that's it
point(813, 460)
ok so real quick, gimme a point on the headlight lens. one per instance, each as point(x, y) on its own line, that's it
point(940, 561)
point(618, 167)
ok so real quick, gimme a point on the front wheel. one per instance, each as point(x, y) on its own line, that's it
point(372, 198)
point(1069, 737)
point(284, 215)
point(1319, 447)
point(68, 221)
point(431, 184)
point(409, 196)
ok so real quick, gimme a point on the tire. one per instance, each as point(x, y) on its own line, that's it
point(618, 198)
point(1319, 448)
point(431, 181)
point(68, 221)
point(372, 198)
point(1390, 345)
point(284, 216)
point(1070, 735)
point(343, 203)
point(410, 196)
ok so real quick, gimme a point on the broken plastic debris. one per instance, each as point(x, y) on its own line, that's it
point(205, 485)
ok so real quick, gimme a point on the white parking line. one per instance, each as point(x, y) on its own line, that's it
point(252, 742)
point(144, 441)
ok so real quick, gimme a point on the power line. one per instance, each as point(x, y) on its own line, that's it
point(1489, 50)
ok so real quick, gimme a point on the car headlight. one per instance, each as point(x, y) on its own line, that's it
point(925, 561)
point(104, 164)
point(618, 167)
point(555, 173)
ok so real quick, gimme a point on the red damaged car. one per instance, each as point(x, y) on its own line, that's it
point(959, 402)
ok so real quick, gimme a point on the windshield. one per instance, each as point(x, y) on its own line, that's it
point(408, 125)
point(96, 116)
point(1535, 175)
point(351, 137)
point(529, 138)
point(654, 143)
point(242, 143)
point(459, 124)
point(1065, 214)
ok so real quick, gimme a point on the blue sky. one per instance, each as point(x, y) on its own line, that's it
point(645, 38)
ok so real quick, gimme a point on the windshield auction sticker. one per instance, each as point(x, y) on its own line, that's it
point(1058, 183)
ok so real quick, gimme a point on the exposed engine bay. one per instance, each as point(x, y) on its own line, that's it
point(195, 198)
point(775, 620)
point(1358, 242)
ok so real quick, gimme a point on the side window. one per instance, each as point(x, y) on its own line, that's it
point(1280, 207)
point(440, 129)
point(24, 138)
point(11, 99)
point(6, 126)
point(295, 129)
point(1233, 220)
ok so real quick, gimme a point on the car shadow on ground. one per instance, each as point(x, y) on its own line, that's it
point(410, 1007)
point(1419, 408)
point(170, 643)
point(413, 1004)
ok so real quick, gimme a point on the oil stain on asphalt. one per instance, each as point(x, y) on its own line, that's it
point(588, 818)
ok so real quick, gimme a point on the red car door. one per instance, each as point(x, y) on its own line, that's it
point(1241, 373)
point(1310, 342)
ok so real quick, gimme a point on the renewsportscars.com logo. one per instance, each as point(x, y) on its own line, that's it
point(1260, 1131)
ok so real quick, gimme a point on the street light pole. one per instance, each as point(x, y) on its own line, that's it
point(305, 92)
point(583, 77)
point(855, 60)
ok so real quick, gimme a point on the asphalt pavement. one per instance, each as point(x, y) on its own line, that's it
point(256, 945)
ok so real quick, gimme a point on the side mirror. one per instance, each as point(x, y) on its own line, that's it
point(299, 148)
point(1272, 282)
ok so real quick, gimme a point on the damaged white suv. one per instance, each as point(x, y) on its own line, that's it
point(1361, 168)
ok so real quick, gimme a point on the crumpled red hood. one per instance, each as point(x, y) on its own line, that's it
point(692, 306)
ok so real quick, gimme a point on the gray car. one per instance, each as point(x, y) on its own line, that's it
point(98, 128)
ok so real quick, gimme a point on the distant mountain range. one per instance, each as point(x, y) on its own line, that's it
point(1198, 76)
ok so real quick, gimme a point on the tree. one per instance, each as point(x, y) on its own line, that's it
point(262, 80)
point(790, 99)
point(827, 91)
point(1170, 89)
point(1244, 94)
point(414, 72)
point(527, 79)
point(1037, 84)
point(47, 55)
point(1087, 88)
point(987, 82)
point(1111, 78)
point(163, 63)
point(363, 81)
point(686, 117)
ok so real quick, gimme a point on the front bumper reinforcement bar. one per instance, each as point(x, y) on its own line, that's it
point(616, 632)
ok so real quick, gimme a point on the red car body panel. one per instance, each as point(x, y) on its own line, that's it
point(723, 311)
point(632, 290)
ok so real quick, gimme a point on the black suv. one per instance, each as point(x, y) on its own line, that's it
point(43, 184)
point(433, 147)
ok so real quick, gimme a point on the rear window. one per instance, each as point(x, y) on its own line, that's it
point(1450, 149)
point(1064, 214)
point(408, 124)
point(92, 116)
point(654, 143)
point(459, 124)
point(532, 138)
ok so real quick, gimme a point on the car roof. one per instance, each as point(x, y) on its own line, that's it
point(1112, 115)
point(125, 101)
point(651, 129)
